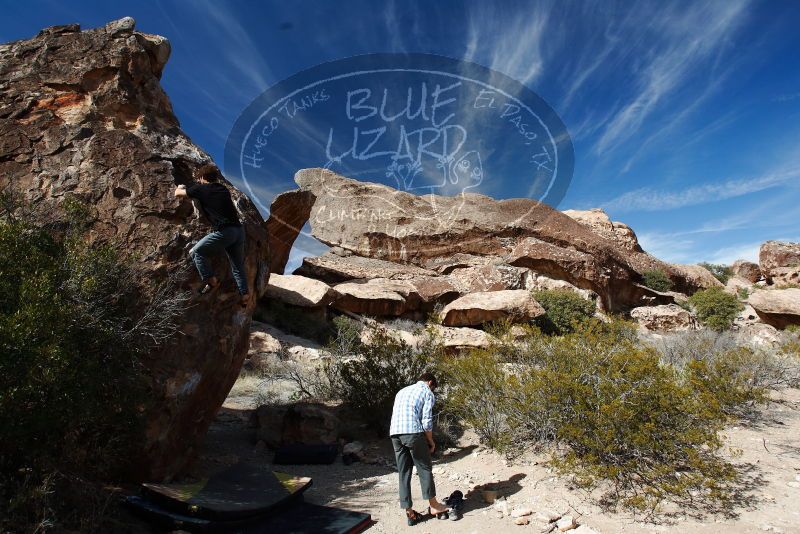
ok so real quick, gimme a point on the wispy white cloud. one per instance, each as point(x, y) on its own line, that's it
point(647, 199)
point(239, 48)
point(692, 37)
point(513, 46)
point(787, 97)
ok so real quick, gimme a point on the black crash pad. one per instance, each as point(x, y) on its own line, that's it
point(298, 518)
point(306, 518)
point(239, 491)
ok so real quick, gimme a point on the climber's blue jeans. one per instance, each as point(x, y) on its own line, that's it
point(229, 239)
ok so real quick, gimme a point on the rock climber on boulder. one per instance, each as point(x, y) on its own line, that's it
point(227, 235)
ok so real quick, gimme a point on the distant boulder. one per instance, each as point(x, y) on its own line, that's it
point(777, 307)
point(746, 270)
point(478, 308)
point(779, 262)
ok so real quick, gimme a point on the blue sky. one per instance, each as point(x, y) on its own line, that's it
point(685, 116)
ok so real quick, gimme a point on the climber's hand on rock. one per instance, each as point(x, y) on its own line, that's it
point(180, 191)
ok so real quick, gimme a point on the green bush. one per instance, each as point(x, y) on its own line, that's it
point(743, 293)
point(565, 310)
point(657, 280)
point(477, 395)
point(367, 376)
point(610, 412)
point(715, 308)
point(75, 320)
point(722, 273)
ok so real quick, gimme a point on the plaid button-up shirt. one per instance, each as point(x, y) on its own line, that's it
point(413, 410)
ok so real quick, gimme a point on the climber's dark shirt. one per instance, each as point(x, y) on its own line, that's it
point(215, 200)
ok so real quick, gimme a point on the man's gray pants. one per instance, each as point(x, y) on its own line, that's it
point(412, 450)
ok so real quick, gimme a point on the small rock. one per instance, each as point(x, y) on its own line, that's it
point(355, 448)
point(566, 523)
point(501, 505)
point(793, 484)
point(521, 512)
point(548, 515)
point(522, 521)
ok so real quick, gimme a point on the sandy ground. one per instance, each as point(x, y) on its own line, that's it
point(771, 450)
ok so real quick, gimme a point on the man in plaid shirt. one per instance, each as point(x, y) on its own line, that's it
point(411, 432)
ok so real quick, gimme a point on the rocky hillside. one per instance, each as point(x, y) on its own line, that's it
point(82, 114)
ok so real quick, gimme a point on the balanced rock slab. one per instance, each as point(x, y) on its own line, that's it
point(400, 227)
point(478, 308)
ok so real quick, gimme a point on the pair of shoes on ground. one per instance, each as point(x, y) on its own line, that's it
point(415, 517)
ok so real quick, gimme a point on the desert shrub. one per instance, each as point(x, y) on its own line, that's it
point(715, 308)
point(565, 309)
point(737, 372)
point(477, 395)
point(368, 375)
point(722, 273)
point(612, 414)
point(657, 280)
point(75, 321)
point(743, 293)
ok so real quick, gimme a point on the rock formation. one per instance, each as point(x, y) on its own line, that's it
point(483, 307)
point(746, 270)
point(601, 224)
point(777, 307)
point(780, 262)
point(300, 291)
point(82, 114)
point(665, 318)
point(445, 233)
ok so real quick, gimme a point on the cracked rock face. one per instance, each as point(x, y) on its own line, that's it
point(82, 113)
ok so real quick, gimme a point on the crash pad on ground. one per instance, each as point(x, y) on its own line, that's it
point(239, 491)
point(298, 518)
point(306, 518)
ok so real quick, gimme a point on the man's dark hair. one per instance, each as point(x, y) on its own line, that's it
point(210, 174)
point(428, 377)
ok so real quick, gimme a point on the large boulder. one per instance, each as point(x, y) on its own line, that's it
point(489, 277)
point(746, 270)
point(779, 262)
point(477, 308)
point(396, 226)
point(375, 297)
point(665, 318)
point(699, 276)
point(83, 115)
point(300, 290)
point(601, 224)
point(777, 307)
